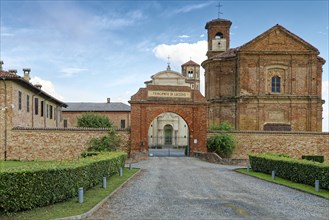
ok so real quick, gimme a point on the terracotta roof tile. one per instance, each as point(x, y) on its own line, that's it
point(8, 75)
point(190, 63)
point(227, 54)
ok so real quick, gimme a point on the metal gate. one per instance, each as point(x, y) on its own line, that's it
point(178, 147)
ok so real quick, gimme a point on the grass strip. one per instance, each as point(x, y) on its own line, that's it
point(299, 186)
point(71, 207)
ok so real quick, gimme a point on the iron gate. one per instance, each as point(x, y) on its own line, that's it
point(162, 147)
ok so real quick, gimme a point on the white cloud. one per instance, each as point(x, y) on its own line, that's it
point(189, 8)
point(71, 71)
point(184, 36)
point(118, 20)
point(47, 86)
point(202, 35)
point(181, 53)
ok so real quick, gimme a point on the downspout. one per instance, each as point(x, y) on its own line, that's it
point(4, 82)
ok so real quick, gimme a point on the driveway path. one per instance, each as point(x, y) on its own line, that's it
point(187, 188)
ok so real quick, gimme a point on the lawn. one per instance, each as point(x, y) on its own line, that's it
point(299, 186)
point(71, 207)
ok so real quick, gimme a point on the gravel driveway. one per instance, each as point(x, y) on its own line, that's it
point(187, 188)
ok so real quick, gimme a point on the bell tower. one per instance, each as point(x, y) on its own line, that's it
point(191, 70)
point(218, 36)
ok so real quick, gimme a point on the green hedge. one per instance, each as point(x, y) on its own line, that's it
point(299, 171)
point(315, 158)
point(27, 187)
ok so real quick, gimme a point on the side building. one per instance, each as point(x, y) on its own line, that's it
point(23, 104)
point(117, 112)
point(272, 82)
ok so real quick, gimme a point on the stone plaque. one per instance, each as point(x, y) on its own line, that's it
point(169, 94)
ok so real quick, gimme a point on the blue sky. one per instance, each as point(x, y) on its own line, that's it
point(91, 50)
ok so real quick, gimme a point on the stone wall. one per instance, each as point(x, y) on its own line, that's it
point(54, 144)
point(295, 144)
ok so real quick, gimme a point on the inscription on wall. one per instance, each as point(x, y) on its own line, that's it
point(169, 94)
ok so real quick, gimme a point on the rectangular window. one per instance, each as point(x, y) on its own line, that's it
point(123, 123)
point(65, 123)
point(51, 112)
point(41, 110)
point(27, 103)
point(55, 113)
point(19, 100)
point(36, 106)
point(47, 111)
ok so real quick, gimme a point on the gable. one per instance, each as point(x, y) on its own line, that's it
point(278, 39)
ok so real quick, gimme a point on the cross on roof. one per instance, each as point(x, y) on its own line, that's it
point(218, 6)
point(168, 67)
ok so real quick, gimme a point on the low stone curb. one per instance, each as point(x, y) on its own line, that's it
point(96, 207)
point(300, 190)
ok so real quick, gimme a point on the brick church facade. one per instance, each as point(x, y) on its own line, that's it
point(272, 82)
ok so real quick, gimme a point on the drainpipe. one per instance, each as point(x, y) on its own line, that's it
point(4, 82)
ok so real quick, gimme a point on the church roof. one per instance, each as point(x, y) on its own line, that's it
point(97, 107)
point(190, 63)
point(5, 75)
point(281, 28)
point(227, 54)
point(218, 21)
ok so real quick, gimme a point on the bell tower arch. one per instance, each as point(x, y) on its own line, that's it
point(218, 36)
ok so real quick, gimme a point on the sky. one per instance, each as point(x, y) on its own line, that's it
point(88, 51)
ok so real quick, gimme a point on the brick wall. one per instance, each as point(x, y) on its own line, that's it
point(54, 144)
point(295, 144)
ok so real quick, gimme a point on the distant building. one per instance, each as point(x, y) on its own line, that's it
point(117, 112)
point(272, 82)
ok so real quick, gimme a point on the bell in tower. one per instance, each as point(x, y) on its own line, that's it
point(218, 36)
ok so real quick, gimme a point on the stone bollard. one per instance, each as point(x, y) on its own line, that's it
point(130, 166)
point(80, 195)
point(273, 174)
point(248, 168)
point(120, 171)
point(317, 185)
point(104, 182)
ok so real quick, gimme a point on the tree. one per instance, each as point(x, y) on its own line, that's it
point(110, 142)
point(223, 144)
point(89, 120)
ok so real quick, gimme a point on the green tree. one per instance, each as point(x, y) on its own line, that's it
point(110, 142)
point(224, 126)
point(89, 120)
point(222, 144)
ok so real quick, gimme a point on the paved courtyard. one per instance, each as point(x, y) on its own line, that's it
point(187, 188)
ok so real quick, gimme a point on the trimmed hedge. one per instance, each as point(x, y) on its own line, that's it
point(27, 187)
point(299, 171)
point(315, 158)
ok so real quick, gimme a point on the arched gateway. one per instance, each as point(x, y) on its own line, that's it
point(169, 101)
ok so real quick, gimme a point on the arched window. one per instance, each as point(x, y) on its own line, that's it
point(219, 35)
point(276, 84)
point(190, 73)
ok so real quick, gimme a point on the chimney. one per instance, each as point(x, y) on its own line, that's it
point(1, 63)
point(38, 85)
point(27, 74)
point(12, 71)
point(108, 100)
